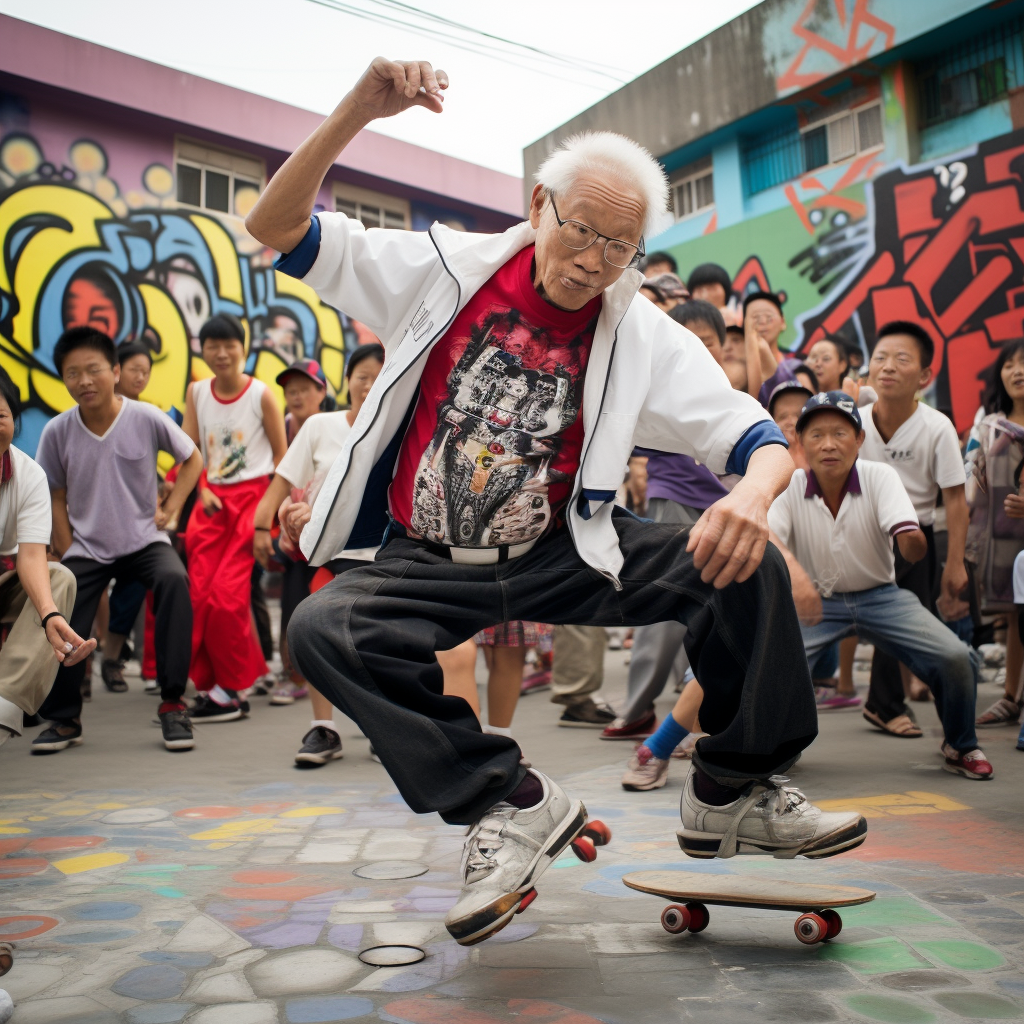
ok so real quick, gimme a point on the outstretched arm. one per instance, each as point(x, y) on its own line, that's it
point(281, 216)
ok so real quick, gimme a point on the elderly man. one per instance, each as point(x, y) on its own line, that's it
point(522, 369)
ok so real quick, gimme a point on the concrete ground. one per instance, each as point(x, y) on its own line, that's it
point(218, 887)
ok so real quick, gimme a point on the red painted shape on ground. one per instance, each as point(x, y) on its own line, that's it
point(18, 867)
point(258, 877)
point(11, 846)
point(288, 893)
point(54, 844)
point(555, 1013)
point(9, 932)
point(208, 812)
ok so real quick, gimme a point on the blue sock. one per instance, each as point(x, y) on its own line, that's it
point(666, 739)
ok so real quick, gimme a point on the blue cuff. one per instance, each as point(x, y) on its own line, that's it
point(299, 262)
point(753, 438)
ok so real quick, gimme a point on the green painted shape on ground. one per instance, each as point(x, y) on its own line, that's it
point(965, 956)
point(874, 956)
point(978, 1004)
point(895, 911)
point(889, 1009)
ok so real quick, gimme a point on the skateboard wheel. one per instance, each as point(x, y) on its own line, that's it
point(834, 922)
point(6, 957)
point(811, 928)
point(527, 899)
point(699, 916)
point(598, 832)
point(675, 919)
point(584, 848)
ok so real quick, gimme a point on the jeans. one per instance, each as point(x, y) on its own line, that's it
point(900, 626)
point(367, 640)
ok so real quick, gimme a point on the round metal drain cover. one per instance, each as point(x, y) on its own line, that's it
point(392, 956)
point(391, 869)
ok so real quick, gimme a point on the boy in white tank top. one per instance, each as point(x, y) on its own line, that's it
point(238, 426)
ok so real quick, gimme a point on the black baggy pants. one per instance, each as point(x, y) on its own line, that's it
point(367, 642)
point(158, 567)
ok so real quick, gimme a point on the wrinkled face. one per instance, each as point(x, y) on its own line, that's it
point(135, 373)
point(896, 370)
point(786, 411)
point(709, 336)
point(223, 355)
point(766, 318)
point(6, 425)
point(825, 360)
point(569, 278)
point(713, 293)
point(302, 396)
point(831, 443)
point(1012, 375)
point(89, 377)
point(363, 376)
point(734, 349)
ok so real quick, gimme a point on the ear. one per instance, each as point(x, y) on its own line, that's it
point(925, 379)
point(860, 440)
point(537, 200)
point(117, 372)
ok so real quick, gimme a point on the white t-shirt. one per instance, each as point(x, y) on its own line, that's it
point(853, 551)
point(925, 451)
point(310, 456)
point(25, 516)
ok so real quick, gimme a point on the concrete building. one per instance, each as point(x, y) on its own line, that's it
point(123, 188)
point(865, 157)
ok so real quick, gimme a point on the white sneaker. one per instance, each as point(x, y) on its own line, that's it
point(645, 771)
point(773, 818)
point(506, 851)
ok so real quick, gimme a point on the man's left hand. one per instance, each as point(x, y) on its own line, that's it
point(954, 580)
point(728, 541)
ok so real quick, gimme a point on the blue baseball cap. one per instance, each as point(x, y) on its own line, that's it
point(830, 401)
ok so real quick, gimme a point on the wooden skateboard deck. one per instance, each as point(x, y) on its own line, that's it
point(815, 903)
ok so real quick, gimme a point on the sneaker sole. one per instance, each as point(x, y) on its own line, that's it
point(490, 919)
point(227, 716)
point(54, 748)
point(954, 769)
point(179, 744)
point(318, 758)
point(633, 736)
point(281, 702)
point(634, 788)
point(583, 725)
point(700, 845)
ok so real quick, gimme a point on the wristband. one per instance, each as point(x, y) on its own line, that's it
point(262, 529)
point(46, 619)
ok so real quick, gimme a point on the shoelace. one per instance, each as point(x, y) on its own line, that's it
point(484, 842)
point(786, 799)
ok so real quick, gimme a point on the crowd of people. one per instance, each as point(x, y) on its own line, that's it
point(573, 447)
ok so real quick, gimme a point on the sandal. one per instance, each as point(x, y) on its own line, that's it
point(901, 726)
point(1003, 712)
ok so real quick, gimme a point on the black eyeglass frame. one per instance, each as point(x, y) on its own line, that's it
point(641, 252)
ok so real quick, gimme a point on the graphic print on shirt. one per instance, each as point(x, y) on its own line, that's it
point(484, 478)
point(225, 451)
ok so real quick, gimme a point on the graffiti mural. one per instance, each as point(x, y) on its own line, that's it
point(76, 250)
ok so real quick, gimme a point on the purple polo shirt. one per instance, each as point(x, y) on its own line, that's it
point(681, 479)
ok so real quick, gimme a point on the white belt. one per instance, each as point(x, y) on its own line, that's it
point(488, 556)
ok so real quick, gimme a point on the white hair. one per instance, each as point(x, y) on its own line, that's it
point(608, 155)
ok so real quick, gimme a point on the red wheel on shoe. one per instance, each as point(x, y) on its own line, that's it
point(834, 922)
point(598, 832)
point(811, 928)
point(583, 847)
point(527, 899)
point(675, 919)
point(699, 916)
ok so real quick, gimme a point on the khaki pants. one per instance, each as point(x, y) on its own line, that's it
point(27, 663)
point(577, 668)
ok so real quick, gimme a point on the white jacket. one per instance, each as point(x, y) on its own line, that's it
point(649, 382)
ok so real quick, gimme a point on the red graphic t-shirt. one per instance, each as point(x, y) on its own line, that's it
point(495, 440)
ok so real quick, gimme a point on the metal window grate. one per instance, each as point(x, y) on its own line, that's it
point(772, 158)
point(972, 74)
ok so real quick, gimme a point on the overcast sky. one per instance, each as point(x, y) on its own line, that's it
point(307, 54)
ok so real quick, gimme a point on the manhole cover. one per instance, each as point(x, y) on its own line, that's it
point(392, 956)
point(391, 869)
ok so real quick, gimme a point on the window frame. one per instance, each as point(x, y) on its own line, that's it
point(688, 177)
point(384, 204)
point(235, 165)
point(852, 112)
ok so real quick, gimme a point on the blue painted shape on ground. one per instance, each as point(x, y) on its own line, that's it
point(169, 891)
point(284, 935)
point(159, 1013)
point(326, 1009)
point(97, 935)
point(346, 936)
point(159, 956)
point(157, 981)
point(104, 911)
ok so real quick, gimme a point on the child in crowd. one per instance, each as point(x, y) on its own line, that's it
point(100, 462)
point(236, 422)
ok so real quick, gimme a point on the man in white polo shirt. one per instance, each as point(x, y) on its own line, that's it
point(921, 444)
point(35, 595)
point(838, 520)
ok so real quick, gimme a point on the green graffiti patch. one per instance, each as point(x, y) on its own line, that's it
point(895, 911)
point(965, 956)
point(978, 1004)
point(874, 956)
point(890, 1009)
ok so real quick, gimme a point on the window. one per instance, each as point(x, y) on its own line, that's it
point(693, 188)
point(374, 209)
point(972, 74)
point(834, 136)
point(216, 179)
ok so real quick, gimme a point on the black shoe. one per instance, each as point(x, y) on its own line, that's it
point(176, 727)
point(206, 709)
point(59, 736)
point(113, 676)
point(319, 746)
point(587, 715)
point(30, 721)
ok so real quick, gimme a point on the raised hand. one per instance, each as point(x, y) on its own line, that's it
point(388, 87)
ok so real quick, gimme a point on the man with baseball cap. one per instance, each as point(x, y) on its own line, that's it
point(838, 520)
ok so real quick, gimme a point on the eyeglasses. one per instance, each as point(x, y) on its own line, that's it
point(576, 235)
